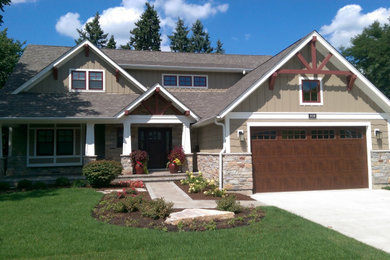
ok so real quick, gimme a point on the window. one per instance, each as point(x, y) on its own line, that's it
point(119, 137)
point(87, 80)
point(268, 134)
point(322, 134)
point(200, 81)
point(185, 81)
point(170, 80)
point(64, 142)
point(350, 134)
point(45, 142)
point(293, 134)
point(96, 80)
point(311, 91)
point(78, 80)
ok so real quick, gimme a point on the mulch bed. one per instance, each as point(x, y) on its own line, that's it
point(201, 196)
point(135, 219)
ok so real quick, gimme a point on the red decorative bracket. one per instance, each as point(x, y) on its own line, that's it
point(272, 80)
point(157, 90)
point(187, 113)
point(86, 50)
point(351, 80)
point(127, 112)
point(117, 75)
point(55, 73)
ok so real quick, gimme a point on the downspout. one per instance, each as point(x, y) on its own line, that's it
point(220, 153)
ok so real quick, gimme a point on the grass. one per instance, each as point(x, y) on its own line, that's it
point(56, 224)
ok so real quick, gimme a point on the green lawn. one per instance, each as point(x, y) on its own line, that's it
point(56, 224)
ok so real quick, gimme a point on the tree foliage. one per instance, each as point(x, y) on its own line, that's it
point(2, 4)
point(93, 32)
point(146, 34)
point(200, 40)
point(111, 43)
point(219, 48)
point(10, 52)
point(370, 53)
point(179, 38)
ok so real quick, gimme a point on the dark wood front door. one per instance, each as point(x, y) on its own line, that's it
point(157, 142)
point(294, 159)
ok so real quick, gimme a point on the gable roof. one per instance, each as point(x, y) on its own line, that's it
point(66, 57)
point(166, 94)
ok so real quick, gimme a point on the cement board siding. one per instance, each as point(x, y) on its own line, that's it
point(61, 85)
point(210, 138)
point(285, 95)
point(216, 80)
point(239, 147)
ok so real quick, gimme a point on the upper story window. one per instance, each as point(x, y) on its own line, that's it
point(86, 80)
point(185, 81)
point(311, 91)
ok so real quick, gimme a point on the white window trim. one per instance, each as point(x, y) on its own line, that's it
point(320, 124)
point(55, 156)
point(87, 80)
point(321, 92)
point(185, 87)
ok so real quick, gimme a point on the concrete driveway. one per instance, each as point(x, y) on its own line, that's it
point(360, 213)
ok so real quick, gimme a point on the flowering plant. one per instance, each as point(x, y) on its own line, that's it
point(131, 184)
point(177, 155)
point(141, 158)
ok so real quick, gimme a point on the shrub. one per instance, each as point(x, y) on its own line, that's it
point(79, 183)
point(386, 188)
point(62, 182)
point(177, 153)
point(119, 207)
point(24, 185)
point(39, 185)
point(156, 209)
point(132, 203)
point(101, 173)
point(4, 186)
point(229, 203)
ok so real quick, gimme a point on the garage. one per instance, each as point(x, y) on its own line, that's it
point(308, 158)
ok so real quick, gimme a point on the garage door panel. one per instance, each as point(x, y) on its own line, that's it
point(310, 163)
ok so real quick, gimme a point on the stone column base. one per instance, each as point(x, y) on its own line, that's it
point(188, 165)
point(126, 164)
point(88, 159)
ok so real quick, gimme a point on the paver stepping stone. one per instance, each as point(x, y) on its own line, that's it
point(188, 215)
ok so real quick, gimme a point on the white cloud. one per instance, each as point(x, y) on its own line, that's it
point(247, 36)
point(68, 23)
point(119, 20)
point(23, 1)
point(349, 22)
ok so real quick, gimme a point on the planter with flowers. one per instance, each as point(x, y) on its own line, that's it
point(139, 161)
point(176, 158)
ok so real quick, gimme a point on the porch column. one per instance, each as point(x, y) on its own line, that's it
point(126, 150)
point(90, 140)
point(186, 138)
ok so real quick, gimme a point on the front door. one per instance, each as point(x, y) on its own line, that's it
point(157, 142)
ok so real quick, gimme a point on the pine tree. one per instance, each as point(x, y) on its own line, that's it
point(219, 48)
point(179, 38)
point(146, 34)
point(2, 4)
point(93, 32)
point(200, 40)
point(111, 43)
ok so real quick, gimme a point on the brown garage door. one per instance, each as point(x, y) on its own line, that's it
point(294, 159)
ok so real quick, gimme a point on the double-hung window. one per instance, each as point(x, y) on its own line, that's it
point(311, 92)
point(87, 80)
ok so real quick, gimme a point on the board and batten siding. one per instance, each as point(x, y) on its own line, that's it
point(209, 138)
point(80, 61)
point(236, 146)
point(216, 80)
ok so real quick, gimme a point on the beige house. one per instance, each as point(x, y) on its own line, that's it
point(304, 119)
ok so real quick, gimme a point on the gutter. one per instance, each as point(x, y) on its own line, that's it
point(185, 68)
point(220, 154)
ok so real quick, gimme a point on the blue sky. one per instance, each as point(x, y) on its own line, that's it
point(244, 27)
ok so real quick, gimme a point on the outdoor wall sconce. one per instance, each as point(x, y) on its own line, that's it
point(240, 134)
point(378, 133)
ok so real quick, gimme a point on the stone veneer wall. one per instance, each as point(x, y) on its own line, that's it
point(380, 165)
point(237, 170)
point(126, 164)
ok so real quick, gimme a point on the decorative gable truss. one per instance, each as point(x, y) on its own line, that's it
point(86, 47)
point(313, 69)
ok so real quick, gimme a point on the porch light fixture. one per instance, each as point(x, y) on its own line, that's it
point(378, 133)
point(240, 134)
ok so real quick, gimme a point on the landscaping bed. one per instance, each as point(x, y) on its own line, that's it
point(110, 210)
point(202, 196)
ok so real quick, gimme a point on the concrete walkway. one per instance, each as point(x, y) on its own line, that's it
point(362, 214)
point(170, 192)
